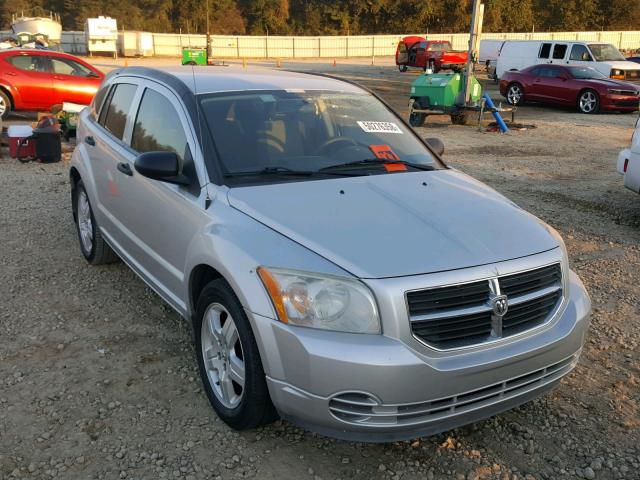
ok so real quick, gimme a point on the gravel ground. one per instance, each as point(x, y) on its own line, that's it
point(98, 377)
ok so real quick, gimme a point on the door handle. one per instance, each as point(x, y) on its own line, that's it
point(11, 74)
point(90, 141)
point(125, 168)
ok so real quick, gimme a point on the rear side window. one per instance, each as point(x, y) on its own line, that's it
point(157, 127)
point(559, 51)
point(114, 114)
point(30, 63)
point(580, 53)
point(545, 50)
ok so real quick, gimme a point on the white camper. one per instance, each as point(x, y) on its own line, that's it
point(102, 35)
point(604, 57)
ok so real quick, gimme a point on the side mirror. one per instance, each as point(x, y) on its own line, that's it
point(436, 145)
point(161, 166)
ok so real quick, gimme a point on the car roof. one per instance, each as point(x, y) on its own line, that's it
point(212, 79)
point(34, 51)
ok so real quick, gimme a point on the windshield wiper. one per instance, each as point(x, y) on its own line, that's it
point(376, 161)
point(284, 171)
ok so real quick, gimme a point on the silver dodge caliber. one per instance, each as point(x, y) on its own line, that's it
point(336, 272)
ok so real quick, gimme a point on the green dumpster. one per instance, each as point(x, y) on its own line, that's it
point(194, 56)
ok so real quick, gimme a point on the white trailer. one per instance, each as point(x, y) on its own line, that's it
point(102, 35)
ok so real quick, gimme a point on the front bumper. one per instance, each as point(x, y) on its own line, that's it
point(378, 388)
point(624, 103)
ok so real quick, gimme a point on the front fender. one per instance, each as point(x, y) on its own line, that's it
point(234, 244)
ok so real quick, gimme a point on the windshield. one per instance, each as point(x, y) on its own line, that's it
point(605, 52)
point(585, 72)
point(307, 131)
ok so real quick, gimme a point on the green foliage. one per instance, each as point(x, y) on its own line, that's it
point(337, 17)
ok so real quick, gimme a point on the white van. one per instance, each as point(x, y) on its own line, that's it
point(604, 57)
point(489, 50)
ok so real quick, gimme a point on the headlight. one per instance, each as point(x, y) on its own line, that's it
point(617, 73)
point(321, 301)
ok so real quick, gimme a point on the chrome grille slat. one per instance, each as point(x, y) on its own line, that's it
point(456, 316)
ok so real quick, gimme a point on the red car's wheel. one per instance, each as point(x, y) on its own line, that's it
point(402, 68)
point(589, 101)
point(515, 94)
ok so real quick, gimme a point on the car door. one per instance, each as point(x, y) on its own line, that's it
point(33, 80)
point(72, 81)
point(551, 85)
point(106, 150)
point(580, 56)
point(534, 87)
point(161, 219)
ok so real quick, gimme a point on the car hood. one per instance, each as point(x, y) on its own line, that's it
point(622, 64)
point(399, 224)
point(611, 83)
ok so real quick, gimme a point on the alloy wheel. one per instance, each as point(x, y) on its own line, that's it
point(588, 102)
point(85, 224)
point(514, 95)
point(223, 355)
point(3, 106)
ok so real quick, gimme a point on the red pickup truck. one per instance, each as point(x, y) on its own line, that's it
point(434, 54)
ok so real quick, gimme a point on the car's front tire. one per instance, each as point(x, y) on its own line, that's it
point(92, 244)
point(229, 360)
point(589, 101)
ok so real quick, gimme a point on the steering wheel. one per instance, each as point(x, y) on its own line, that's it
point(334, 144)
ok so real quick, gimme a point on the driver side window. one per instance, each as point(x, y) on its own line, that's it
point(63, 66)
point(580, 53)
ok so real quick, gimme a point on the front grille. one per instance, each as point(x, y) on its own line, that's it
point(530, 314)
point(429, 301)
point(463, 315)
point(531, 281)
point(627, 103)
point(361, 409)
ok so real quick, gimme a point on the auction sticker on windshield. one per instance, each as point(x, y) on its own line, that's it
point(379, 127)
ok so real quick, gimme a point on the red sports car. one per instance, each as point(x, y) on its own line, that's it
point(35, 80)
point(583, 87)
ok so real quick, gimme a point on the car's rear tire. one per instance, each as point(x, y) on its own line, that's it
point(92, 244)
point(5, 105)
point(229, 360)
point(589, 101)
point(515, 94)
point(403, 68)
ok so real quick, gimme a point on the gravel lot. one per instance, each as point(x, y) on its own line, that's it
point(98, 377)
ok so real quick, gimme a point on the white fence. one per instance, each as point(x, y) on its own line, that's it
point(168, 44)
